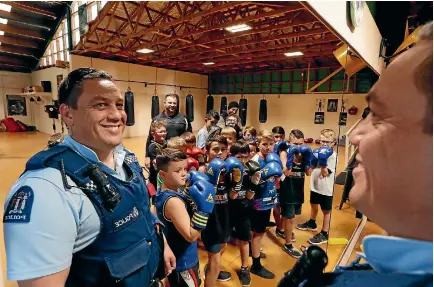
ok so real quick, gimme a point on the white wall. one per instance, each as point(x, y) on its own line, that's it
point(297, 111)
point(122, 72)
point(11, 84)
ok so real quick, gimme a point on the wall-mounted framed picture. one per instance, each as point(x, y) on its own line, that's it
point(343, 119)
point(319, 118)
point(332, 105)
point(16, 105)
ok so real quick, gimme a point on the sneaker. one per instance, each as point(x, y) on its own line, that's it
point(308, 225)
point(244, 276)
point(318, 239)
point(223, 275)
point(280, 234)
point(263, 272)
point(292, 251)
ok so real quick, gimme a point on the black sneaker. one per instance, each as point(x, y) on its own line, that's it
point(292, 251)
point(308, 225)
point(223, 275)
point(280, 234)
point(318, 239)
point(262, 272)
point(244, 276)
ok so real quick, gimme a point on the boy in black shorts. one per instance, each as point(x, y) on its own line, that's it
point(240, 207)
point(183, 220)
point(296, 159)
point(218, 230)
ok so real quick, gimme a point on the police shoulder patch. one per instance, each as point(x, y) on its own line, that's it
point(20, 205)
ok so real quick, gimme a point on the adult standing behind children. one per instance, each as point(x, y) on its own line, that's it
point(176, 123)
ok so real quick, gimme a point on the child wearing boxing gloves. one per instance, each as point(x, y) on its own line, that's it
point(240, 207)
point(265, 198)
point(183, 218)
point(190, 139)
point(158, 142)
point(321, 186)
point(278, 135)
point(230, 134)
point(297, 164)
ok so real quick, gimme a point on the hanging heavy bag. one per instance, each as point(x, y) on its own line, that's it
point(189, 108)
point(155, 110)
point(209, 103)
point(263, 111)
point(129, 107)
point(243, 111)
point(223, 104)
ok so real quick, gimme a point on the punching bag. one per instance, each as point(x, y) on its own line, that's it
point(129, 108)
point(263, 111)
point(155, 107)
point(243, 111)
point(189, 108)
point(209, 103)
point(223, 104)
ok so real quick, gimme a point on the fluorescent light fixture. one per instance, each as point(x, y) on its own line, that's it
point(2, 33)
point(209, 63)
point(145, 51)
point(5, 7)
point(293, 54)
point(238, 28)
point(3, 21)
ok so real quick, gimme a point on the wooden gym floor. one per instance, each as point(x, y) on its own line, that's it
point(16, 148)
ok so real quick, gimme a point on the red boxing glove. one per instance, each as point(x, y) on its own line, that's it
point(195, 152)
point(192, 164)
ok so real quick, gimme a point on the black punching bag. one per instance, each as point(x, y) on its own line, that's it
point(155, 106)
point(209, 103)
point(223, 104)
point(263, 111)
point(129, 108)
point(243, 111)
point(189, 108)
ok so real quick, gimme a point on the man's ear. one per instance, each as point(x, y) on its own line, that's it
point(66, 113)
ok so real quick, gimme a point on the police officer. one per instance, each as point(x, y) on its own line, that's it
point(79, 214)
point(176, 123)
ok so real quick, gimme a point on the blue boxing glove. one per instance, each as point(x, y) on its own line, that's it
point(280, 146)
point(272, 169)
point(236, 168)
point(272, 157)
point(194, 176)
point(214, 169)
point(314, 160)
point(323, 155)
point(293, 150)
point(202, 193)
point(306, 154)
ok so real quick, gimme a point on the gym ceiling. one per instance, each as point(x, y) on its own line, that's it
point(26, 29)
point(209, 36)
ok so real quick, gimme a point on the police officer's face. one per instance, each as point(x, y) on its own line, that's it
point(99, 119)
point(393, 180)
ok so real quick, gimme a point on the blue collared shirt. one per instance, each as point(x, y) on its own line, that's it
point(61, 222)
point(388, 254)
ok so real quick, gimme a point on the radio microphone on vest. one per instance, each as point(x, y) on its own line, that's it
point(309, 265)
point(110, 195)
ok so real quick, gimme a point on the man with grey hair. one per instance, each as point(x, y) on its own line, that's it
point(393, 179)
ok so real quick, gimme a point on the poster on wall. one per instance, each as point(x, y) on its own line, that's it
point(16, 105)
point(319, 118)
point(332, 105)
point(343, 119)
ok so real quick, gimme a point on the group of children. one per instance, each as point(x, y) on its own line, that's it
point(229, 188)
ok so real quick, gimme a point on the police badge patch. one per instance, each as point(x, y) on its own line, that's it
point(20, 206)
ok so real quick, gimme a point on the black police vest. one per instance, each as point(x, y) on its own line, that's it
point(127, 250)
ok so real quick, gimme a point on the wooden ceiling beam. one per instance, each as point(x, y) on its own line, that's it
point(26, 6)
point(254, 50)
point(35, 35)
point(35, 23)
point(16, 51)
point(13, 61)
point(19, 42)
point(167, 25)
